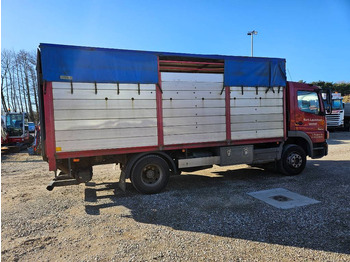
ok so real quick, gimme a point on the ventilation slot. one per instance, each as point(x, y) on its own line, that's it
point(190, 65)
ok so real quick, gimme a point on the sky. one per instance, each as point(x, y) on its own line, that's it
point(312, 35)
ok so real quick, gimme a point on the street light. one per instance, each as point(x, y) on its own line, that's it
point(252, 33)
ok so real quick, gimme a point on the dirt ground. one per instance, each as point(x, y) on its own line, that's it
point(201, 216)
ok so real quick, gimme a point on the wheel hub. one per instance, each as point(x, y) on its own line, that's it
point(295, 160)
point(150, 174)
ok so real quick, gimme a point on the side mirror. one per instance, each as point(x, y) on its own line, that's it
point(329, 101)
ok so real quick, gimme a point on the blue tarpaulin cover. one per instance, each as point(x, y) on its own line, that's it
point(102, 65)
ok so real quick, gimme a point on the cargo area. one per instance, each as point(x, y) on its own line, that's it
point(115, 99)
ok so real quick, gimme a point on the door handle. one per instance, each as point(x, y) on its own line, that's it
point(299, 123)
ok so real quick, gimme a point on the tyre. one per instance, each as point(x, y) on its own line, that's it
point(293, 160)
point(150, 174)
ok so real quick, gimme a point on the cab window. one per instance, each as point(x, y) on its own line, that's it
point(337, 104)
point(308, 102)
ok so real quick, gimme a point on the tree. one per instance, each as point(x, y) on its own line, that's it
point(19, 83)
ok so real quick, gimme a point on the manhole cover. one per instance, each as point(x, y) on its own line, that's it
point(282, 198)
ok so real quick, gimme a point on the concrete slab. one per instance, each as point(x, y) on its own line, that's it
point(283, 198)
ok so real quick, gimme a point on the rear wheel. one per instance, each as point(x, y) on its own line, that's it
point(150, 174)
point(293, 160)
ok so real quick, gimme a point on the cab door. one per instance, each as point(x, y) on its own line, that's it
point(307, 114)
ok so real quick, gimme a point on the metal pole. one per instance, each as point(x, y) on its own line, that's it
point(251, 33)
point(252, 44)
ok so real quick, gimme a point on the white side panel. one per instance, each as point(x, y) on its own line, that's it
point(85, 120)
point(94, 144)
point(250, 92)
point(191, 86)
point(256, 112)
point(175, 104)
point(107, 133)
point(190, 112)
point(274, 102)
point(257, 126)
point(239, 135)
point(104, 114)
point(256, 118)
point(193, 108)
point(103, 104)
point(191, 129)
point(192, 77)
point(259, 110)
point(82, 94)
point(103, 124)
point(194, 138)
point(195, 121)
point(193, 95)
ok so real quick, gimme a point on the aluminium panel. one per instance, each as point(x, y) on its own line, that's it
point(193, 95)
point(256, 134)
point(90, 134)
point(191, 129)
point(113, 114)
point(103, 124)
point(194, 138)
point(193, 112)
point(82, 94)
point(104, 104)
point(199, 161)
point(192, 77)
point(191, 86)
point(178, 103)
point(110, 143)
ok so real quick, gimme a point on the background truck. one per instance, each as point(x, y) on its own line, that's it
point(14, 132)
point(335, 117)
point(158, 113)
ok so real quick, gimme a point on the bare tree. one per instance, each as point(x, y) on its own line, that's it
point(18, 82)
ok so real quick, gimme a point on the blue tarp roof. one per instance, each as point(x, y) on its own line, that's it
point(103, 65)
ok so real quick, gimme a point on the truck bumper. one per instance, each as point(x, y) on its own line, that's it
point(320, 150)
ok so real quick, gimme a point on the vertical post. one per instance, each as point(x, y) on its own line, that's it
point(252, 33)
point(50, 142)
point(252, 43)
point(159, 102)
point(228, 114)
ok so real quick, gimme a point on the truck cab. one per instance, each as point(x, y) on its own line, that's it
point(306, 114)
point(16, 125)
point(335, 118)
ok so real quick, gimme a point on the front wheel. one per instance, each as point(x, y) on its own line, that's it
point(150, 174)
point(293, 160)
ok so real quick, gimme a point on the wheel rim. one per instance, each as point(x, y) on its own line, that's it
point(295, 160)
point(151, 174)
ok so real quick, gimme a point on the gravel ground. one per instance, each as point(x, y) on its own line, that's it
point(201, 216)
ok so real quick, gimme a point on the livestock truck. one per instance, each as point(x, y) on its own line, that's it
point(159, 113)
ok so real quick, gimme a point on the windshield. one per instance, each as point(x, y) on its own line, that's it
point(337, 104)
point(14, 124)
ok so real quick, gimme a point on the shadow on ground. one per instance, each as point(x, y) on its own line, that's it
point(219, 205)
